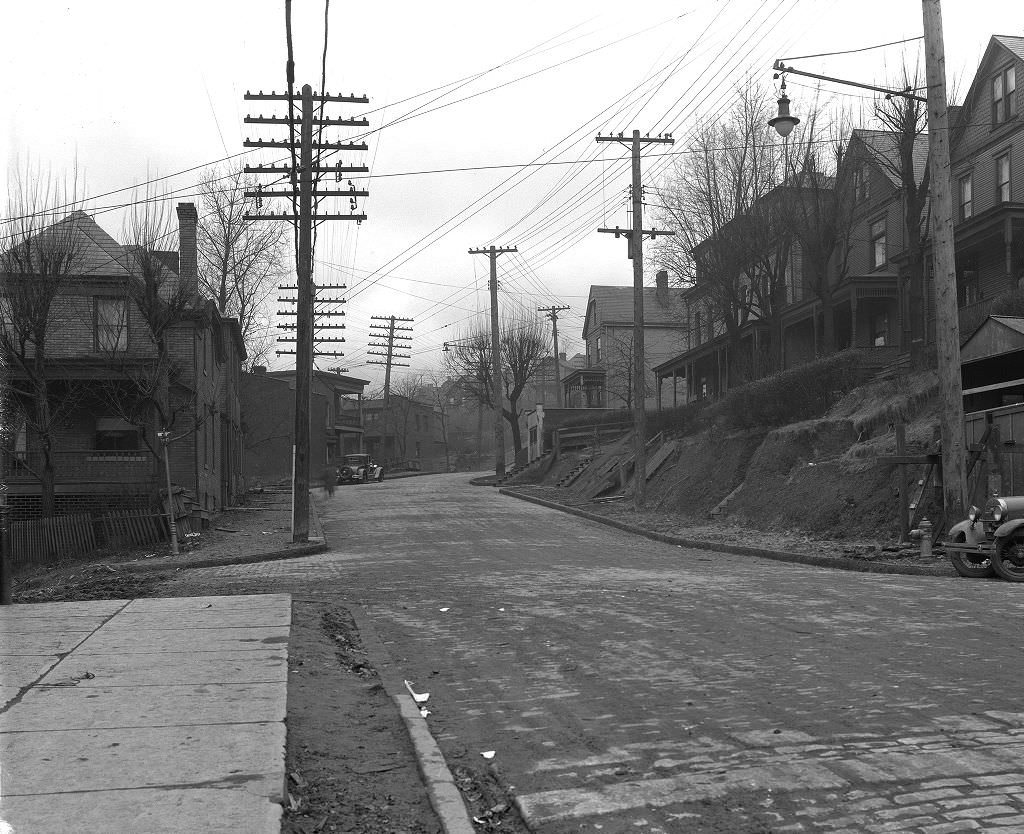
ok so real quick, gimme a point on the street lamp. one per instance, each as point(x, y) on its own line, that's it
point(947, 324)
point(784, 122)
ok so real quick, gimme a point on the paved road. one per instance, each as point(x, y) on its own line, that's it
point(628, 685)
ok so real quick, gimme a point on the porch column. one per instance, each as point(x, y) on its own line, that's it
point(660, 380)
point(675, 390)
point(853, 317)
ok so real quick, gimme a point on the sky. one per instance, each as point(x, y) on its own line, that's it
point(482, 131)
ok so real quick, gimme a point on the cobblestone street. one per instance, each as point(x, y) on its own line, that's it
point(627, 685)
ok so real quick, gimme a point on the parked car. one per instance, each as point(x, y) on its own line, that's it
point(359, 469)
point(990, 541)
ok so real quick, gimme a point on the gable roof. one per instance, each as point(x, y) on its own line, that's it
point(99, 253)
point(883, 145)
point(616, 304)
point(1009, 44)
point(996, 335)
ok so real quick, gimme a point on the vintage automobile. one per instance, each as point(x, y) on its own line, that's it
point(359, 469)
point(990, 541)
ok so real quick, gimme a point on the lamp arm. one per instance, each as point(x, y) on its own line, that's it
point(780, 68)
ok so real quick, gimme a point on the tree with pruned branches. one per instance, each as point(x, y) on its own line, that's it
point(523, 344)
point(241, 261)
point(39, 259)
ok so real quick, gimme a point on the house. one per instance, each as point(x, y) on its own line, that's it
point(607, 379)
point(343, 420)
point(407, 434)
point(880, 287)
point(268, 427)
point(132, 350)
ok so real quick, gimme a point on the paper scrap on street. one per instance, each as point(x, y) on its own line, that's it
point(424, 712)
point(488, 754)
point(418, 697)
point(442, 610)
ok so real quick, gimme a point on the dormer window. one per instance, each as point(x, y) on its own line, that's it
point(1004, 95)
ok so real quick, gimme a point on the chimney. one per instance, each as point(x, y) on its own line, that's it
point(661, 282)
point(188, 254)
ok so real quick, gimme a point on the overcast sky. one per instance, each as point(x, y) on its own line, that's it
point(134, 90)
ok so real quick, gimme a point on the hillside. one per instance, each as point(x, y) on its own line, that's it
point(818, 476)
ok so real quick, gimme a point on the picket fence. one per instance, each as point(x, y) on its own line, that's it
point(46, 539)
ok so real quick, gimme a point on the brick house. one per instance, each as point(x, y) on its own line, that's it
point(268, 416)
point(100, 353)
point(409, 434)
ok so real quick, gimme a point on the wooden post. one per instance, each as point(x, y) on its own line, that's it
point(904, 496)
point(994, 456)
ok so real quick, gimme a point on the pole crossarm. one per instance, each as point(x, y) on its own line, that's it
point(320, 146)
point(275, 96)
point(284, 120)
point(291, 216)
point(780, 68)
point(316, 169)
point(317, 192)
point(628, 233)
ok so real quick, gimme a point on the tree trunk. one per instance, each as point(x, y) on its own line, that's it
point(915, 310)
point(827, 345)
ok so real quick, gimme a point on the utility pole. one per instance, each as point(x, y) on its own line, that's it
point(552, 313)
point(389, 332)
point(304, 218)
point(635, 237)
point(947, 322)
point(498, 387)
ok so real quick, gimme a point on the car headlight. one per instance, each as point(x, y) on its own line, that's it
point(972, 514)
point(998, 509)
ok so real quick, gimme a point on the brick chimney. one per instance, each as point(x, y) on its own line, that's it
point(188, 253)
point(661, 282)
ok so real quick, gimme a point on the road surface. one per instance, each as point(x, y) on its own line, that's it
point(629, 685)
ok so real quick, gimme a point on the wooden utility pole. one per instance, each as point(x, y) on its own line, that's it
point(947, 322)
point(304, 218)
point(390, 333)
point(498, 387)
point(636, 253)
point(552, 313)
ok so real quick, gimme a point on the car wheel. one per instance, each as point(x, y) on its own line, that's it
point(1008, 560)
point(971, 565)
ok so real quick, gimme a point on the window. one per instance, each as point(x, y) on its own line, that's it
point(878, 254)
point(1003, 178)
point(861, 184)
point(597, 354)
point(966, 196)
point(115, 434)
point(879, 329)
point(111, 316)
point(1004, 96)
point(970, 290)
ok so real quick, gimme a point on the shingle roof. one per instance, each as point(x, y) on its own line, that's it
point(882, 144)
point(96, 252)
point(616, 304)
point(1012, 42)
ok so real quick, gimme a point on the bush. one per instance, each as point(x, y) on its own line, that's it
point(796, 394)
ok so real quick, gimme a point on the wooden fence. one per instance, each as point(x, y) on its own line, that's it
point(45, 539)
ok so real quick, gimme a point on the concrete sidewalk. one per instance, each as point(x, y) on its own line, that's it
point(148, 715)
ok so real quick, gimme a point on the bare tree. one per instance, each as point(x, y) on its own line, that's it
point(907, 122)
point(820, 208)
point(523, 343)
point(723, 204)
point(39, 259)
point(241, 260)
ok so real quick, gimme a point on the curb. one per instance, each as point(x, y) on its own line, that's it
point(441, 788)
point(153, 566)
point(836, 562)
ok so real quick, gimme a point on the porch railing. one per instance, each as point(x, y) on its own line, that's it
point(86, 465)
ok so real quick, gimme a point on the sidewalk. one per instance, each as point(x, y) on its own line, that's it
point(155, 715)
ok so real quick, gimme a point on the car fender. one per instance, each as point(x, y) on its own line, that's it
point(1009, 528)
point(973, 532)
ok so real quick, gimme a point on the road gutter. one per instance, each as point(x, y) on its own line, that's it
point(441, 788)
point(837, 562)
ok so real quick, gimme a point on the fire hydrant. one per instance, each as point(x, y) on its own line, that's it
point(925, 532)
